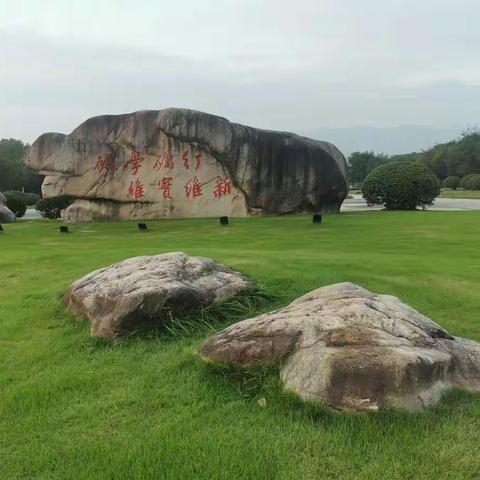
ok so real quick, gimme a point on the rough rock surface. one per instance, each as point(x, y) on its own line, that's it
point(183, 163)
point(6, 215)
point(140, 293)
point(353, 350)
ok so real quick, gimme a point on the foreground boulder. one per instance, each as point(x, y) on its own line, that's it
point(141, 292)
point(352, 350)
point(183, 163)
point(6, 215)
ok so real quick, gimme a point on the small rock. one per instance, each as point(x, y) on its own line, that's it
point(262, 402)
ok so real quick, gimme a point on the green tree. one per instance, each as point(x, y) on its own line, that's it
point(360, 164)
point(12, 166)
point(14, 175)
point(457, 158)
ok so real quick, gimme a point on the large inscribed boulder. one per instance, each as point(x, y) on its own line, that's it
point(353, 350)
point(140, 293)
point(183, 163)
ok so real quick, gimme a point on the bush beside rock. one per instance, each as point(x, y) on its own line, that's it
point(31, 198)
point(16, 203)
point(401, 186)
point(52, 207)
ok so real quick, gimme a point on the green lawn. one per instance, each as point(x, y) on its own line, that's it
point(72, 407)
point(449, 193)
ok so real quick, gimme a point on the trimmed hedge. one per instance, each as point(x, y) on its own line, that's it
point(473, 182)
point(464, 181)
point(401, 186)
point(16, 203)
point(32, 198)
point(52, 207)
point(452, 182)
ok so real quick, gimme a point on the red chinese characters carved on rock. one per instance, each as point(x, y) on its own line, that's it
point(165, 186)
point(166, 160)
point(186, 160)
point(135, 161)
point(135, 190)
point(193, 188)
point(105, 164)
point(223, 187)
point(198, 160)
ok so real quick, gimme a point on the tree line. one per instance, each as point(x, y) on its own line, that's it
point(14, 175)
point(458, 158)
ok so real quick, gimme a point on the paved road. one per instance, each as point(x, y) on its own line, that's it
point(31, 214)
point(357, 203)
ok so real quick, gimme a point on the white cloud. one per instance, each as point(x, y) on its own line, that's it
point(270, 63)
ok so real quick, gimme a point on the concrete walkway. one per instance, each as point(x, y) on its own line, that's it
point(357, 204)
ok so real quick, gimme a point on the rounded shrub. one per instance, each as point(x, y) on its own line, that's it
point(401, 186)
point(15, 192)
point(464, 181)
point(452, 182)
point(473, 183)
point(16, 203)
point(52, 207)
point(31, 198)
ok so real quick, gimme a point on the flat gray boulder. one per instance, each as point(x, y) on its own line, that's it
point(352, 350)
point(141, 292)
point(6, 215)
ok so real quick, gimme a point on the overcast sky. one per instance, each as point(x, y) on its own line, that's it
point(293, 65)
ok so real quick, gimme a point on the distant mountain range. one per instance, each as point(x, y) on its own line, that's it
point(394, 140)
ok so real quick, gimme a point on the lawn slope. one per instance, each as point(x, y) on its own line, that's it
point(74, 407)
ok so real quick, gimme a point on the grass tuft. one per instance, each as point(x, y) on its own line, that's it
point(216, 316)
